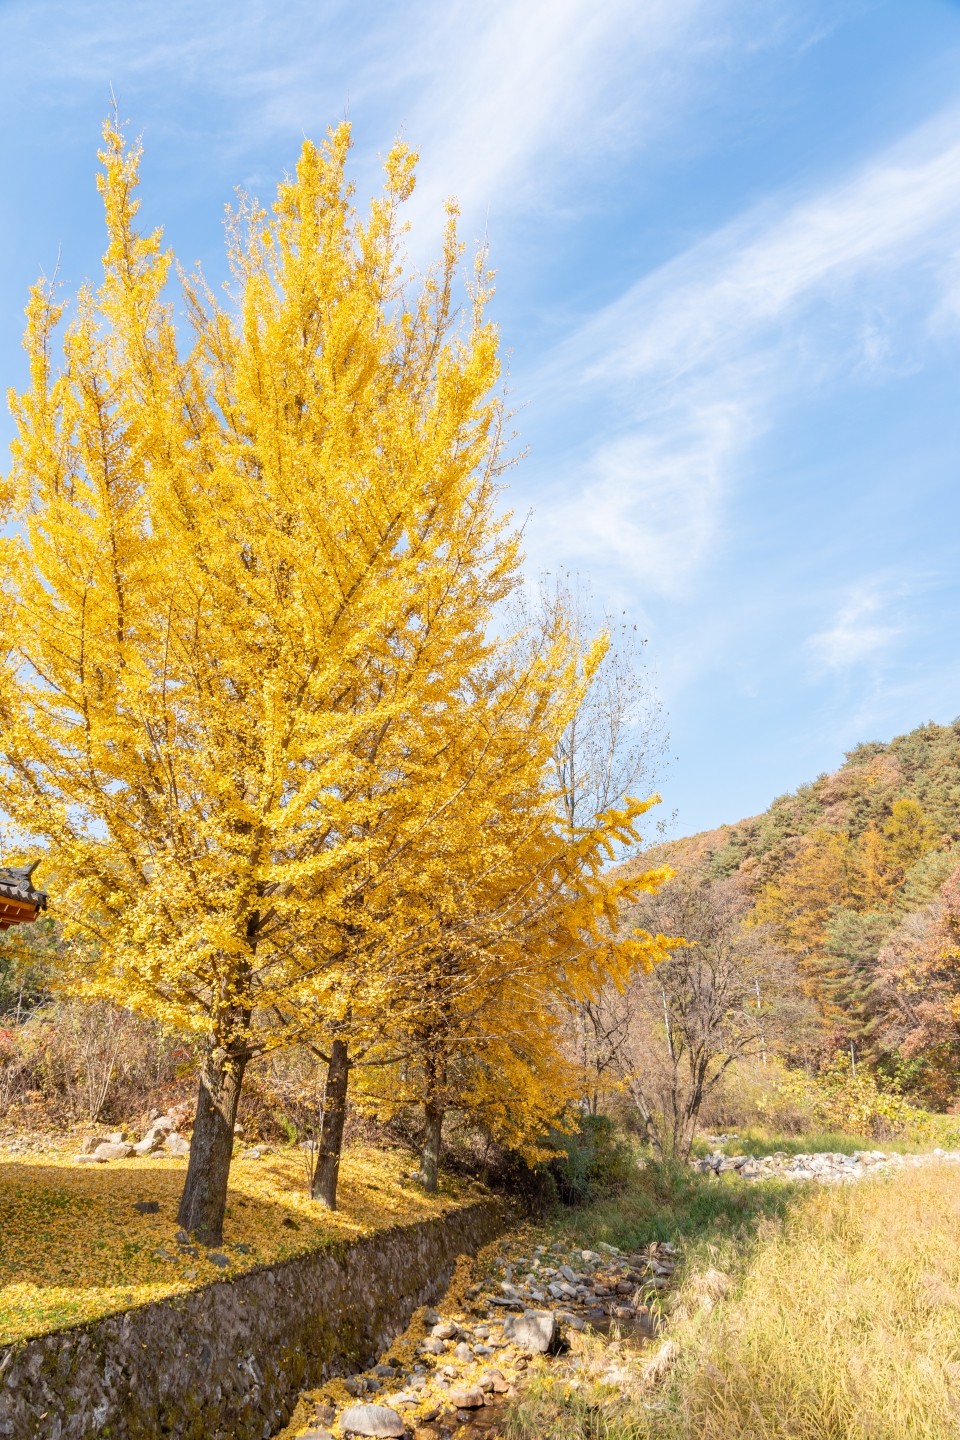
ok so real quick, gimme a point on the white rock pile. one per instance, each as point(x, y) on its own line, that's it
point(826, 1167)
point(161, 1135)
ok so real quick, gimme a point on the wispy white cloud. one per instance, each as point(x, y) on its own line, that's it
point(502, 99)
point(697, 359)
point(520, 92)
point(859, 631)
point(651, 498)
point(755, 273)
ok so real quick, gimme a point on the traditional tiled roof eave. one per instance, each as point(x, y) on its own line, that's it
point(18, 898)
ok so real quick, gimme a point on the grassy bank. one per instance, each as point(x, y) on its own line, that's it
point(672, 1202)
point(834, 1316)
point(73, 1247)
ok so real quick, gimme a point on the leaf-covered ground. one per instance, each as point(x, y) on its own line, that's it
point(73, 1248)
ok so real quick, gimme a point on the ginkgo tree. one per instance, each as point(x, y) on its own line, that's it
point(550, 929)
point(525, 913)
point(238, 572)
point(481, 859)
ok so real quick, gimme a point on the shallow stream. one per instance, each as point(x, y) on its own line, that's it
point(455, 1369)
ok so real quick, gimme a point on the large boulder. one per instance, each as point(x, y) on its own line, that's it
point(150, 1143)
point(372, 1420)
point(109, 1151)
point(535, 1331)
point(176, 1145)
point(471, 1399)
point(155, 1135)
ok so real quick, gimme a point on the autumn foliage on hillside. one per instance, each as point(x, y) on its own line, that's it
point(857, 877)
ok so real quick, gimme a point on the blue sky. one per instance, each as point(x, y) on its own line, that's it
point(727, 235)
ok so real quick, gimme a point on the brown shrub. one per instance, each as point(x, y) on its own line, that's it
point(71, 1062)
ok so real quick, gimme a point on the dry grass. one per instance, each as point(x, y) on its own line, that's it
point(846, 1325)
point(841, 1322)
point(73, 1248)
point(597, 1392)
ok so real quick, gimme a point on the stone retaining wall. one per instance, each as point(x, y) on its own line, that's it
point(227, 1362)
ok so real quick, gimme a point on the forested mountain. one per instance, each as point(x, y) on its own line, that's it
point(857, 877)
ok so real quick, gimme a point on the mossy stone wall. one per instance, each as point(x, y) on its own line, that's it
point(228, 1361)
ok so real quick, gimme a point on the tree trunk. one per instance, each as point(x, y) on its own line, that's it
point(326, 1174)
point(430, 1157)
point(434, 1108)
point(204, 1198)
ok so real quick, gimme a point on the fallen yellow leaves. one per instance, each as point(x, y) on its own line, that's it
point(73, 1248)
